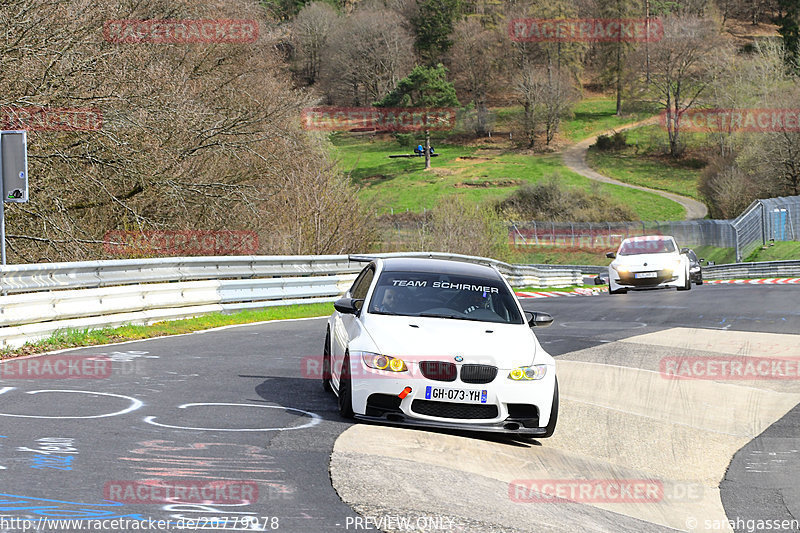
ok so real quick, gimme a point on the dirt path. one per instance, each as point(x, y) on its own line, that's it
point(574, 158)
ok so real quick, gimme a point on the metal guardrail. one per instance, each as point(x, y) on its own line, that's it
point(763, 269)
point(40, 299)
point(91, 274)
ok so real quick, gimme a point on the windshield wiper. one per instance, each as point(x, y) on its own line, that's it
point(386, 313)
point(439, 315)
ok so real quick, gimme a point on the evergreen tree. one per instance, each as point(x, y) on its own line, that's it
point(424, 87)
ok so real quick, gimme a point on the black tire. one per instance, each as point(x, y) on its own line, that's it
point(326, 363)
point(346, 390)
point(699, 279)
point(551, 425)
point(687, 286)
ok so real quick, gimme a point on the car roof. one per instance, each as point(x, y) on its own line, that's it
point(649, 238)
point(439, 266)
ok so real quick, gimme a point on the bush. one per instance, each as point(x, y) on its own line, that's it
point(549, 200)
point(456, 226)
point(617, 141)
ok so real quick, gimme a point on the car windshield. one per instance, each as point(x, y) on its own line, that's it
point(647, 246)
point(429, 294)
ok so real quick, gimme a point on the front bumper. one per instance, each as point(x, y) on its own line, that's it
point(498, 427)
point(628, 280)
point(521, 407)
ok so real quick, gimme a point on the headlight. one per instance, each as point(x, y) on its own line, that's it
point(528, 373)
point(383, 362)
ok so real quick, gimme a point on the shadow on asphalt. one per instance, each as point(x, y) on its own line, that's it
point(308, 395)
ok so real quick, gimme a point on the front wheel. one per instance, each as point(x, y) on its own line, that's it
point(326, 363)
point(551, 425)
point(687, 285)
point(346, 390)
point(699, 280)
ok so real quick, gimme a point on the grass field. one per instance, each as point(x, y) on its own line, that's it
point(478, 175)
point(596, 115)
point(643, 163)
point(77, 338)
point(782, 250)
point(558, 255)
point(590, 117)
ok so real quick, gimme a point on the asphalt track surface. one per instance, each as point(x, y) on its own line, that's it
point(244, 404)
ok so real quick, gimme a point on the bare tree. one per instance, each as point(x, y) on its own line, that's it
point(682, 65)
point(774, 156)
point(368, 53)
point(546, 97)
point(193, 136)
point(474, 67)
point(529, 88)
point(746, 81)
point(310, 31)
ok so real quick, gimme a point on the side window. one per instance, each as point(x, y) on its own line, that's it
point(361, 285)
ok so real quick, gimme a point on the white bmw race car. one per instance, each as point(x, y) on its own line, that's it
point(429, 342)
point(648, 262)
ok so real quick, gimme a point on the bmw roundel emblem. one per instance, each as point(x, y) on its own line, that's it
point(458, 358)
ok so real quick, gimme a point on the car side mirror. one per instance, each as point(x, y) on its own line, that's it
point(348, 306)
point(700, 260)
point(611, 255)
point(538, 320)
point(684, 250)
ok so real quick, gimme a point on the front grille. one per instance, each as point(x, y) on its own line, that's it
point(453, 410)
point(438, 370)
point(663, 275)
point(478, 373)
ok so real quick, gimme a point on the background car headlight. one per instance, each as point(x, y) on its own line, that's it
point(528, 373)
point(383, 362)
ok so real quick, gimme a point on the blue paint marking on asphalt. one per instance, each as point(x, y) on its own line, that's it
point(46, 507)
point(56, 462)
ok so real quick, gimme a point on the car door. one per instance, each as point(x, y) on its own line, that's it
point(346, 326)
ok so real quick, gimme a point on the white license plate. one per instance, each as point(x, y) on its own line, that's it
point(441, 394)
point(640, 275)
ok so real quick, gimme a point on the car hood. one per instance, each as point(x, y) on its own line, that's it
point(425, 339)
point(652, 260)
